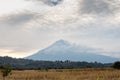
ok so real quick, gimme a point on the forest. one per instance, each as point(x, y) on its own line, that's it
point(26, 64)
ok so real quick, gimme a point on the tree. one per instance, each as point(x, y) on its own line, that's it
point(116, 65)
point(6, 71)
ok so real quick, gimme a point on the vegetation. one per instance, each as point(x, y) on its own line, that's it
point(25, 64)
point(116, 65)
point(57, 70)
point(5, 71)
point(66, 74)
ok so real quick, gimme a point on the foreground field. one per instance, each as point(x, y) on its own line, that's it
point(67, 74)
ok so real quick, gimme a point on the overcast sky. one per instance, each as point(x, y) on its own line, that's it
point(27, 26)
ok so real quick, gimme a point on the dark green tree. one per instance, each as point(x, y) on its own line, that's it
point(116, 65)
point(6, 70)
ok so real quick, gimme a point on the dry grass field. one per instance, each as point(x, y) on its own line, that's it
point(67, 74)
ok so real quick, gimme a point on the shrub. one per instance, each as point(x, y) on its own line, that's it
point(6, 71)
point(116, 65)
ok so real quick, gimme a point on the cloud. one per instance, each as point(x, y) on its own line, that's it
point(52, 2)
point(81, 11)
point(49, 2)
point(95, 7)
point(99, 7)
point(7, 6)
point(17, 19)
point(94, 23)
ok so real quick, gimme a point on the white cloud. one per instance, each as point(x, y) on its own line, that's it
point(33, 25)
point(9, 6)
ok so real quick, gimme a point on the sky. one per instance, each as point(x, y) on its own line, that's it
point(27, 26)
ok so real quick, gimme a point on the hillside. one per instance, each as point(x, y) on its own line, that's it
point(23, 64)
point(63, 50)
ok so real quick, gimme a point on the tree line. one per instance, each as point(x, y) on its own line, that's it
point(21, 64)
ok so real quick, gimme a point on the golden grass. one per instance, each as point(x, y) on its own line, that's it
point(65, 74)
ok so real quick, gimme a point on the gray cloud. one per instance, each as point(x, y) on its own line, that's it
point(52, 2)
point(17, 19)
point(49, 2)
point(78, 22)
point(99, 7)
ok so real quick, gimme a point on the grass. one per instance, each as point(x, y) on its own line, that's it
point(65, 74)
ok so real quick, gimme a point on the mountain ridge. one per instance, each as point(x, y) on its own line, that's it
point(63, 50)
